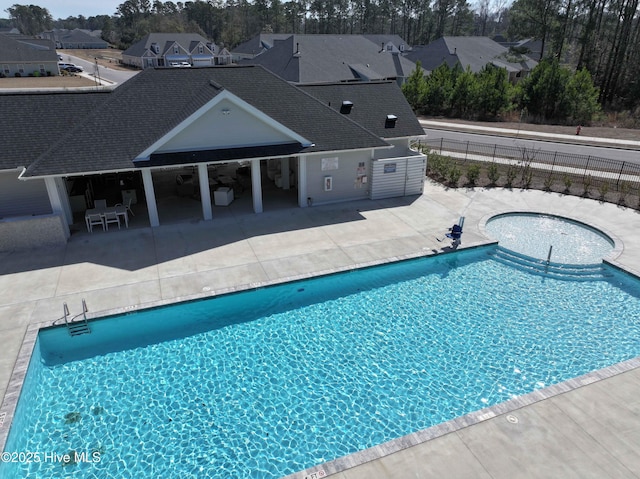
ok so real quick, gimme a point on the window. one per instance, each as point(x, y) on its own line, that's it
point(389, 47)
point(200, 49)
point(176, 49)
point(41, 67)
point(21, 68)
point(5, 69)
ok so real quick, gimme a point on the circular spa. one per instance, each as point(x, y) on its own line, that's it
point(550, 238)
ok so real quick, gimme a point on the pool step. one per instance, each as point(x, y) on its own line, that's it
point(557, 270)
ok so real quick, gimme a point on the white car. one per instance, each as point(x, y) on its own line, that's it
point(174, 65)
point(185, 65)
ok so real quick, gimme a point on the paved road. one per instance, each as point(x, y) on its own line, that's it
point(109, 74)
point(621, 154)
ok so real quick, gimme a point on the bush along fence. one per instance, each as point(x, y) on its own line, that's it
point(480, 164)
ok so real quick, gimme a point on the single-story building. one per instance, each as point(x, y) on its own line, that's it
point(319, 145)
point(75, 39)
point(26, 56)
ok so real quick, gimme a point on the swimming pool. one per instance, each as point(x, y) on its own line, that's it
point(266, 383)
point(544, 236)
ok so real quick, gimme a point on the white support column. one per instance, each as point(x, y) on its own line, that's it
point(285, 173)
point(59, 202)
point(205, 193)
point(302, 182)
point(150, 195)
point(256, 185)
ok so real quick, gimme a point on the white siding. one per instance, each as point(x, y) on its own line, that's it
point(397, 177)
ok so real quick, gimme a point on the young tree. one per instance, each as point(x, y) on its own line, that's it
point(582, 97)
point(415, 88)
point(544, 91)
point(463, 94)
point(439, 88)
point(494, 92)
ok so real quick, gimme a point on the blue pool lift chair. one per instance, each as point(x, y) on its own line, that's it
point(455, 233)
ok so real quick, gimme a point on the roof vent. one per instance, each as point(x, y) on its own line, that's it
point(346, 107)
point(391, 121)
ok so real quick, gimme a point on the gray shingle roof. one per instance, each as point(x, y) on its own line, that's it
point(372, 102)
point(148, 106)
point(26, 50)
point(327, 58)
point(473, 52)
point(33, 122)
point(77, 36)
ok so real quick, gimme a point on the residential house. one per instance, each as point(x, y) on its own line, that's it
point(474, 53)
point(75, 39)
point(169, 126)
point(27, 56)
point(528, 46)
point(264, 41)
point(165, 49)
point(332, 58)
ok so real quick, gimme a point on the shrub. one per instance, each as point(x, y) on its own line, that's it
point(473, 173)
point(527, 176)
point(586, 184)
point(625, 188)
point(434, 163)
point(511, 176)
point(548, 182)
point(493, 173)
point(454, 175)
point(603, 189)
point(567, 182)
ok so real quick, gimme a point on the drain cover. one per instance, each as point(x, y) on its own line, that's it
point(512, 419)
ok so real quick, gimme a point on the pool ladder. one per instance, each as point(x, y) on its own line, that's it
point(76, 328)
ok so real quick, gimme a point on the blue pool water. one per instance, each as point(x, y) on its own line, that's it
point(533, 234)
point(266, 383)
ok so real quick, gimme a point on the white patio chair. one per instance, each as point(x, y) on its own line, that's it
point(100, 204)
point(111, 217)
point(127, 205)
point(94, 220)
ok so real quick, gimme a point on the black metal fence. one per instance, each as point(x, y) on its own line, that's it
point(618, 174)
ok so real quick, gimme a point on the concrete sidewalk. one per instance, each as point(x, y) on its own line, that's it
point(591, 431)
point(525, 133)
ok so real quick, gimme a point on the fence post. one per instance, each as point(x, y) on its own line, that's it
point(495, 147)
point(586, 167)
point(466, 152)
point(620, 175)
point(441, 144)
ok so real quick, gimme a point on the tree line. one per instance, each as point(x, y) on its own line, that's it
point(550, 94)
point(599, 36)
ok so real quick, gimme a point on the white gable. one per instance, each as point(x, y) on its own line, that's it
point(225, 122)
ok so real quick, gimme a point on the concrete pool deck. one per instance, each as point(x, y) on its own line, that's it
point(590, 430)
